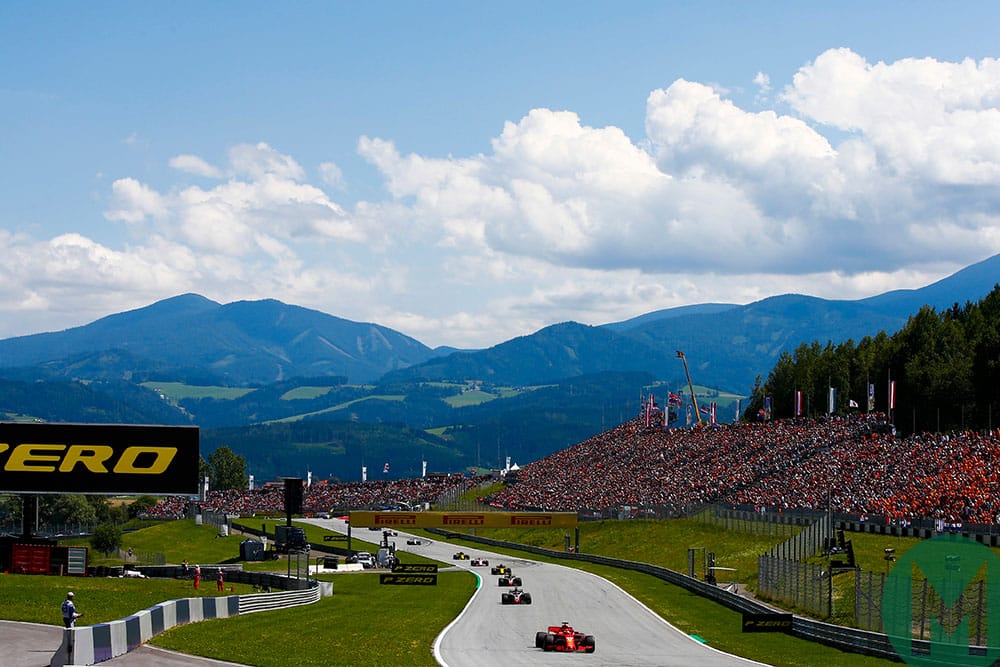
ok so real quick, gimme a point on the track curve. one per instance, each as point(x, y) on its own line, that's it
point(489, 634)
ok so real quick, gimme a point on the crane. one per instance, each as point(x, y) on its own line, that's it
point(694, 399)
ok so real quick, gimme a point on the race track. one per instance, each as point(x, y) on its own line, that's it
point(489, 634)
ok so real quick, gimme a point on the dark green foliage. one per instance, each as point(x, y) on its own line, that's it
point(106, 538)
point(115, 402)
point(945, 366)
point(227, 470)
point(65, 509)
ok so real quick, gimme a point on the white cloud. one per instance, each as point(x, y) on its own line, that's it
point(135, 201)
point(331, 174)
point(931, 120)
point(193, 164)
point(254, 161)
point(763, 83)
point(865, 178)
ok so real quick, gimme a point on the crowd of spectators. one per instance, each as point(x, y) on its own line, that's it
point(853, 464)
point(322, 496)
point(849, 464)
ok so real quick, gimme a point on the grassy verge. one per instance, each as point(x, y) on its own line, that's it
point(176, 540)
point(362, 624)
point(663, 543)
point(37, 599)
point(695, 615)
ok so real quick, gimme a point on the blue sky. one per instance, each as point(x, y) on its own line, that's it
point(470, 172)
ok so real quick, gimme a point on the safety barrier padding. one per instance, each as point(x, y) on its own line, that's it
point(89, 645)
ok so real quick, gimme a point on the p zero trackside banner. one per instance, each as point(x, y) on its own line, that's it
point(98, 458)
point(465, 519)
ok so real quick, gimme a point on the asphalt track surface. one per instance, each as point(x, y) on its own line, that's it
point(486, 633)
point(489, 634)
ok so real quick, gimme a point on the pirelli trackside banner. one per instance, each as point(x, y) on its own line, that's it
point(98, 458)
point(465, 519)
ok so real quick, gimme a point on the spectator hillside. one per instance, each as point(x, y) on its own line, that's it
point(850, 464)
point(854, 465)
point(323, 496)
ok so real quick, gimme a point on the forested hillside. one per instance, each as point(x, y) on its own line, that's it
point(945, 365)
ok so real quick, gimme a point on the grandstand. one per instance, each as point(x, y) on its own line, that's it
point(852, 465)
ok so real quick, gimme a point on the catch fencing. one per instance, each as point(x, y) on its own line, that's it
point(934, 619)
point(800, 585)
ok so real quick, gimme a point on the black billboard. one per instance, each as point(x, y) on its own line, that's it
point(766, 622)
point(415, 568)
point(98, 458)
point(408, 579)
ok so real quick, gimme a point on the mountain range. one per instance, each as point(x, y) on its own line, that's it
point(251, 343)
point(274, 375)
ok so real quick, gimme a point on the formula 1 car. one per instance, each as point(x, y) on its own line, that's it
point(500, 569)
point(413, 541)
point(564, 638)
point(480, 562)
point(509, 580)
point(515, 596)
point(461, 555)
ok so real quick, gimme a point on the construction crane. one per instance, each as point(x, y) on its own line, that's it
point(694, 399)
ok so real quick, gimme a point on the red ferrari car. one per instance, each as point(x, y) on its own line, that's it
point(515, 596)
point(564, 638)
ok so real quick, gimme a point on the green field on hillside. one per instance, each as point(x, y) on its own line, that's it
point(305, 393)
point(339, 406)
point(177, 391)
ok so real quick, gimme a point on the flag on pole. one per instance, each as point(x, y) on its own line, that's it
point(871, 397)
point(852, 403)
point(385, 468)
point(712, 411)
point(673, 399)
point(798, 402)
point(831, 405)
point(767, 407)
point(892, 394)
point(364, 473)
point(423, 468)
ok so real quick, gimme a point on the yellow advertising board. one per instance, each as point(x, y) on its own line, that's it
point(404, 520)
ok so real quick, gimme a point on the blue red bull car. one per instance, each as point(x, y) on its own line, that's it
point(564, 638)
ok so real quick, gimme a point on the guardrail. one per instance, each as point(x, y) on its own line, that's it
point(849, 639)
